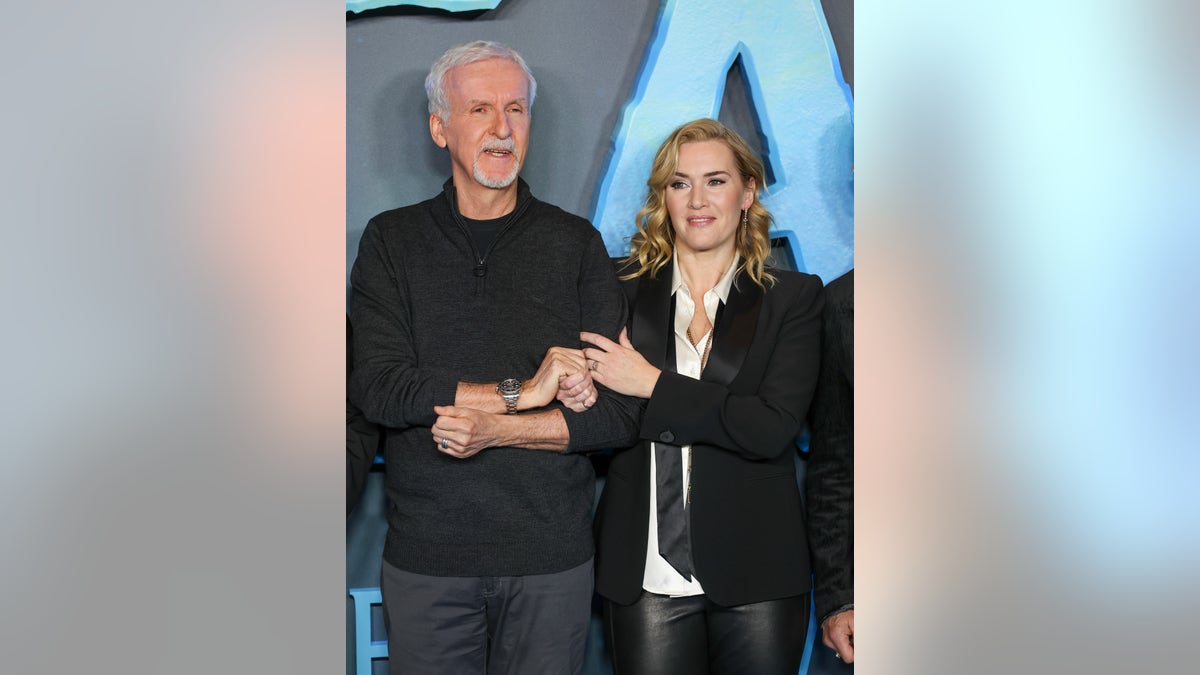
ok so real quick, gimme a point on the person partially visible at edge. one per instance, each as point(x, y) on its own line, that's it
point(457, 303)
point(363, 438)
point(829, 480)
point(702, 557)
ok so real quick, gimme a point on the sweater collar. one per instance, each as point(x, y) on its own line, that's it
point(523, 195)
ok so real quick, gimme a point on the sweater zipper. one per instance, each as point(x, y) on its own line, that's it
point(480, 270)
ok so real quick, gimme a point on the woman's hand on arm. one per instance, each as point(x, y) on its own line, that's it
point(618, 366)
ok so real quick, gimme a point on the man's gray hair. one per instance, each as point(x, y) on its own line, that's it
point(461, 55)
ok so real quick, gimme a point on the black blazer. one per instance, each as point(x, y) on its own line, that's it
point(741, 419)
point(830, 474)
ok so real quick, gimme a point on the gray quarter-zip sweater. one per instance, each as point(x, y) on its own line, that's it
point(429, 311)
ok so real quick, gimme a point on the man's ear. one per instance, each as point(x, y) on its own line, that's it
point(435, 130)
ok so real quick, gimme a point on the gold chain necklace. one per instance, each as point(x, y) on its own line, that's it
point(707, 347)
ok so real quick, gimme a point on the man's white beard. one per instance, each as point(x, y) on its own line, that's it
point(508, 178)
point(495, 183)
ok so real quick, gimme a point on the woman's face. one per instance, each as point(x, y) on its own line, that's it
point(706, 196)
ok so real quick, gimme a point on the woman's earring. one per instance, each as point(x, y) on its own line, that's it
point(745, 222)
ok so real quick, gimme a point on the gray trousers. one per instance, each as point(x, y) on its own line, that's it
point(526, 625)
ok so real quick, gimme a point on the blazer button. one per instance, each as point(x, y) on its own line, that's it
point(666, 437)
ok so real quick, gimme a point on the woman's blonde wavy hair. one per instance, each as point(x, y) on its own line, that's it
point(652, 246)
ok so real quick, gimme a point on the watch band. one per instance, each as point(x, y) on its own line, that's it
point(510, 391)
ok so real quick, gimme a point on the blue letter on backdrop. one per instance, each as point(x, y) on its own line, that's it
point(804, 108)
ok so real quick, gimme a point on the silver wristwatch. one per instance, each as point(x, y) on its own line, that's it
point(510, 391)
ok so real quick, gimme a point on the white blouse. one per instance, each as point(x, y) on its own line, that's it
point(660, 577)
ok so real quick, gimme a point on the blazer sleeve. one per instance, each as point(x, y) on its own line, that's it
point(762, 424)
point(829, 480)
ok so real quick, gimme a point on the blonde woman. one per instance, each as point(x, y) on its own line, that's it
point(702, 557)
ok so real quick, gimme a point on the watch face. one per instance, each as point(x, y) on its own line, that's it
point(509, 387)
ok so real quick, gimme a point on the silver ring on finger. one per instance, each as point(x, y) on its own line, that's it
point(445, 443)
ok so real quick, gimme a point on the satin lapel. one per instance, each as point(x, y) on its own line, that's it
point(734, 331)
point(652, 333)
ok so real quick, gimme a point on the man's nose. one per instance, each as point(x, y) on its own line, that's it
point(502, 128)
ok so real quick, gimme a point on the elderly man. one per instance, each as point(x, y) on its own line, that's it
point(457, 303)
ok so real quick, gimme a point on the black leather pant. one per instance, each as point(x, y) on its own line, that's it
point(660, 635)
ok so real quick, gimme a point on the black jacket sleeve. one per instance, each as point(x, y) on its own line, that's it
point(830, 476)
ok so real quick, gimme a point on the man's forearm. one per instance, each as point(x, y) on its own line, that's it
point(480, 396)
point(543, 430)
point(536, 392)
point(463, 432)
point(483, 396)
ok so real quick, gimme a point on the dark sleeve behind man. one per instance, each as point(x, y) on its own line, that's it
point(362, 438)
point(830, 474)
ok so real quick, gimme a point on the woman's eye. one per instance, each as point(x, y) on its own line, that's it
point(678, 185)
